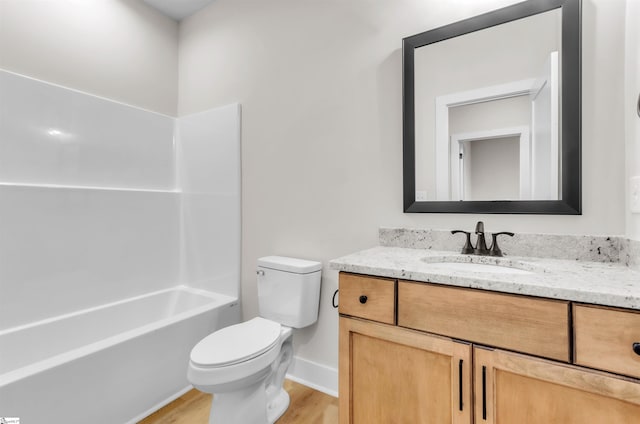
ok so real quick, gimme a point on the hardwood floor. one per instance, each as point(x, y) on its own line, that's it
point(307, 406)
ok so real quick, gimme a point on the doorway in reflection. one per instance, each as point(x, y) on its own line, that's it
point(489, 169)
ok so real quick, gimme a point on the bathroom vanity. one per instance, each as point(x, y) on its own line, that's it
point(438, 337)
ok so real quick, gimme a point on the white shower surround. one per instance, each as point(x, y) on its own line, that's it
point(104, 204)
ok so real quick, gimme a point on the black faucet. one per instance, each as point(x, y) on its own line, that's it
point(495, 250)
point(468, 248)
point(481, 244)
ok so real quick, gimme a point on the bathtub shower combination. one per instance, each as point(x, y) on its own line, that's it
point(113, 363)
point(120, 250)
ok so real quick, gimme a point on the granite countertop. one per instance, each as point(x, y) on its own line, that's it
point(609, 284)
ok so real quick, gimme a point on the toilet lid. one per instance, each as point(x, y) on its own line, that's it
point(236, 343)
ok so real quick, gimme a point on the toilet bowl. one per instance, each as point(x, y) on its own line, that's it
point(244, 365)
point(245, 377)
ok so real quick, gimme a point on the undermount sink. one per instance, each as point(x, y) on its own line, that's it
point(477, 264)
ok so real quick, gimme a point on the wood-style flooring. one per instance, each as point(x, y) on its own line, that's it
point(307, 406)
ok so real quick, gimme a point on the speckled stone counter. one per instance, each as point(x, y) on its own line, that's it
point(609, 283)
point(630, 253)
point(555, 246)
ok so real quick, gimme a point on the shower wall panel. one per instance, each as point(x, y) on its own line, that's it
point(57, 136)
point(208, 152)
point(89, 211)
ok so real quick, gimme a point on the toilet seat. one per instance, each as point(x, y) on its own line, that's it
point(236, 344)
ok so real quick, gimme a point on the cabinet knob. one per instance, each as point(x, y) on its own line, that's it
point(636, 348)
point(363, 300)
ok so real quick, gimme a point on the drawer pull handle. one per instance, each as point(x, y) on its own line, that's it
point(460, 404)
point(636, 348)
point(363, 299)
point(484, 392)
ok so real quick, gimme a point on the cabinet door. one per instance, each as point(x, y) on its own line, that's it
point(513, 388)
point(395, 375)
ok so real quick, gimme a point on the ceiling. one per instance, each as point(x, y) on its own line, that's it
point(178, 9)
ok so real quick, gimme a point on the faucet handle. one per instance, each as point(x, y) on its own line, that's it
point(468, 248)
point(495, 250)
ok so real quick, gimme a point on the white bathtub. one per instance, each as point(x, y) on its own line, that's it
point(111, 364)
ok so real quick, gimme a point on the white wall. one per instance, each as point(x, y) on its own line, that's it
point(53, 135)
point(88, 210)
point(320, 84)
point(120, 49)
point(632, 120)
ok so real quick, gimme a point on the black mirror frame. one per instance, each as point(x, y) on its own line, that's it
point(571, 202)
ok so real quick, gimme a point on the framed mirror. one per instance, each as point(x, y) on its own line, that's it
point(492, 113)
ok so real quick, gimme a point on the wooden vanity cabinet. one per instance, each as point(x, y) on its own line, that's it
point(401, 372)
point(520, 389)
point(371, 298)
point(525, 324)
point(395, 375)
point(607, 339)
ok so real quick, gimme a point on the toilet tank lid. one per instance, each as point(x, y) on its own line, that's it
point(282, 263)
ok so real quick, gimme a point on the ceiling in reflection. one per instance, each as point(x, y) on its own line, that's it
point(178, 9)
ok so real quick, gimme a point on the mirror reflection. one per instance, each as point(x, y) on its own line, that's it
point(487, 120)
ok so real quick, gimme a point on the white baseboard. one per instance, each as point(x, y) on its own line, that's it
point(317, 376)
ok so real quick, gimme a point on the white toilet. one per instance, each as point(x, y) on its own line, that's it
point(244, 365)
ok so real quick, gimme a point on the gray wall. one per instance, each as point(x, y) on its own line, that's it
point(632, 120)
point(119, 49)
point(320, 85)
point(501, 54)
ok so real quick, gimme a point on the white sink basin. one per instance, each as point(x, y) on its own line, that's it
point(477, 264)
point(475, 268)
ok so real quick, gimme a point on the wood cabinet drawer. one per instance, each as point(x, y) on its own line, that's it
point(524, 324)
point(372, 298)
point(604, 339)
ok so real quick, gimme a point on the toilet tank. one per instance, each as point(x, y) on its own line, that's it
point(289, 290)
